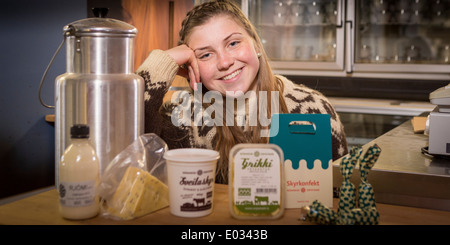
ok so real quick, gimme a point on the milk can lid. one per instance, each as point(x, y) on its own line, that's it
point(100, 27)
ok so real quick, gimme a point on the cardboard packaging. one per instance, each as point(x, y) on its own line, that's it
point(306, 143)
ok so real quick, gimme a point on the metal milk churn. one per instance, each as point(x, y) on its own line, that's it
point(99, 88)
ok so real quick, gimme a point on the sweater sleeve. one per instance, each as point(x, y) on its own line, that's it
point(158, 72)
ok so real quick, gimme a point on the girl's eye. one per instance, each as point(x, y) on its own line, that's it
point(204, 56)
point(234, 43)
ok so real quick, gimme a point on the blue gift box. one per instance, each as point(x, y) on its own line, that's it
point(306, 143)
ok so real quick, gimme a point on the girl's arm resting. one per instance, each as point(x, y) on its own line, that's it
point(158, 72)
point(159, 69)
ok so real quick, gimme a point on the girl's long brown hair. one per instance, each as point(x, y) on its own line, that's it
point(228, 136)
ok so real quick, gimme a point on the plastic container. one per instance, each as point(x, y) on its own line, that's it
point(191, 175)
point(79, 170)
point(256, 181)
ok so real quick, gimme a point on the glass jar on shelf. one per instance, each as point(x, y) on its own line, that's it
point(402, 32)
point(445, 54)
point(296, 30)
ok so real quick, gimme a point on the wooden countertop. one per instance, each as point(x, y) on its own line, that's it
point(42, 209)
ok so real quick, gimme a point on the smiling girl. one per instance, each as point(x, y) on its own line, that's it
point(219, 50)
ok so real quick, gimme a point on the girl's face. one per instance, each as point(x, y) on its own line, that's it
point(226, 55)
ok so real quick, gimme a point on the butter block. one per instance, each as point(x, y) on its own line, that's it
point(138, 193)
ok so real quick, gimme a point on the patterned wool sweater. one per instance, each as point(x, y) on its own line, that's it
point(159, 70)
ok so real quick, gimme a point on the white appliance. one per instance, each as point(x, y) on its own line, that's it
point(439, 122)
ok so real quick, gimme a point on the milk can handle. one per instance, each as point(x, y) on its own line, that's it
point(45, 74)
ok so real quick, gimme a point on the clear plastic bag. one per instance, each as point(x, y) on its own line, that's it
point(135, 181)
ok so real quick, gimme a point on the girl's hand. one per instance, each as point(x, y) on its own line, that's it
point(185, 58)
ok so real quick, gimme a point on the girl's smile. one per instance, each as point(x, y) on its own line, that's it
point(233, 76)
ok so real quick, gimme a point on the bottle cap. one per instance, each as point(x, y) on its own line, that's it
point(79, 131)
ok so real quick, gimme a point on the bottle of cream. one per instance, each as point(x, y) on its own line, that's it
point(79, 173)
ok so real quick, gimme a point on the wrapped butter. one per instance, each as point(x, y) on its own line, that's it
point(256, 181)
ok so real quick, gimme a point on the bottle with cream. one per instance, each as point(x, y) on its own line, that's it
point(79, 173)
